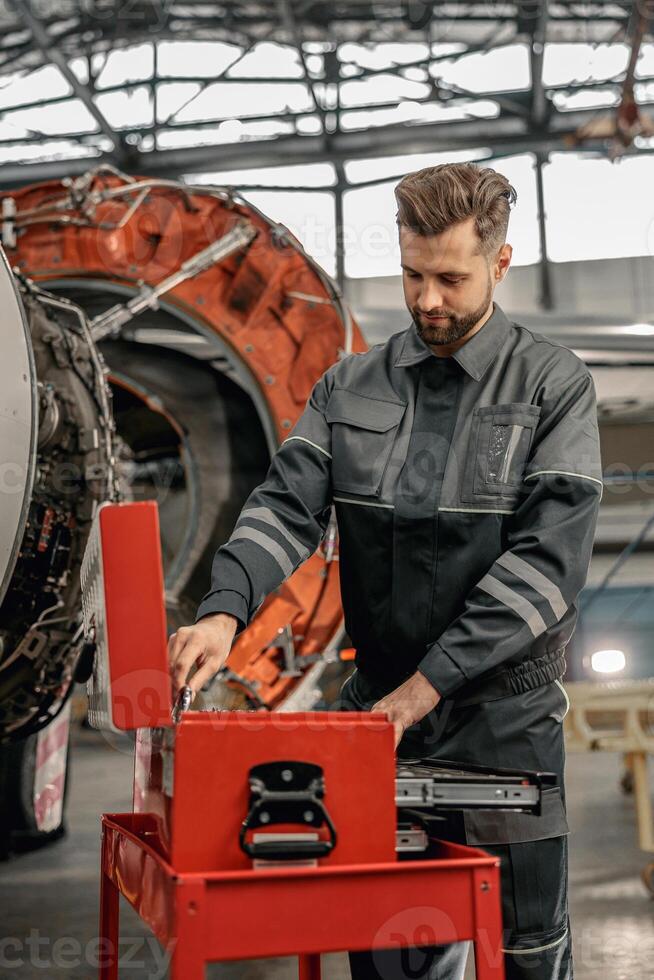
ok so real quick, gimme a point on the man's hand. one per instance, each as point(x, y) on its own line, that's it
point(408, 703)
point(205, 645)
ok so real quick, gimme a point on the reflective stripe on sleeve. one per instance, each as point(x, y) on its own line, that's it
point(268, 544)
point(265, 515)
point(539, 582)
point(514, 601)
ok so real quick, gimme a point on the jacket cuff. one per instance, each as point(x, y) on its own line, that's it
point(441, 671)
point(225, 601)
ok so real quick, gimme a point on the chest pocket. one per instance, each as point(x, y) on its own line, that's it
point(363, 433)
point(500, 440)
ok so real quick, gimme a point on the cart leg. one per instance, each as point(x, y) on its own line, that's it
point(489, 957)
point(309, 966)
point(187, 950)
point(109, 913)
point(186, 962)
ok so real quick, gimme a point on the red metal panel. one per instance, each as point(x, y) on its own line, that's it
point(355, 907)
point(130, 860)
point(124, 601)
point(195, 781)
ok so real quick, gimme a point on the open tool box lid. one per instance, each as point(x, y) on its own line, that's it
point(124, 616)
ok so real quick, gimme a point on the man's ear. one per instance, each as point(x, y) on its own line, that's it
point(502, 262)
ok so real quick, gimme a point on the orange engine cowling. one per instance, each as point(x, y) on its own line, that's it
point(214, 324)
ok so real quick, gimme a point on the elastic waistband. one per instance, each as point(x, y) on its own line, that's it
point(513, 679)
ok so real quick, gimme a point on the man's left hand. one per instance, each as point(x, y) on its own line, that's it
point(408, 703)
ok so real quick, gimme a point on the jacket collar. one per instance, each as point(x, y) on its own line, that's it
point(474, 357)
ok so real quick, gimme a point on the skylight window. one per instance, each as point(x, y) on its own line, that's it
point(270, 60)
point(10, 130)
point(644, 92)
point(419, 112)
point(244, 99)
point(309, 215)
point(586, 99)
point(307, 175)
point(174, 96)
point(24, 88)
point(564, 64)
point(125, 110)
point(378, 168)
point(645, 64)
point(376, 56)
point(71, 116)
point(51, 150)
point(230, 131)
point(381, 88)
point(595, 208)
point(501, 69)
point(198, 58)
point(123, 65)
point(308, 125)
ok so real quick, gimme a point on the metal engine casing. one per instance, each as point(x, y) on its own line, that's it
point(61, 460)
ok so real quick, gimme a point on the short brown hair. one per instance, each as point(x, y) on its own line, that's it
point(431, 200)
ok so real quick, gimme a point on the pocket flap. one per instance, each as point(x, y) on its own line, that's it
point(502, 826)
point(519, 413)
point(362, 411)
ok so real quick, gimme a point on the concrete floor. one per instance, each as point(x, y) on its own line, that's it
point(49, 899)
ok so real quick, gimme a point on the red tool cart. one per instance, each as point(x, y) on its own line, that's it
point(255, 834)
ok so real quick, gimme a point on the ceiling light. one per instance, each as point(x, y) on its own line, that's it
point(608, 661)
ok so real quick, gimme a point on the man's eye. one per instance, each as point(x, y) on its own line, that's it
point(453, 282)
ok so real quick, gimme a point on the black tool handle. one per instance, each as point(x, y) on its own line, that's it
point(281, 850)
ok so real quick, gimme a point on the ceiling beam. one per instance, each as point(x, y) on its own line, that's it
point(615, 83)
point(539, 103)
point(505, 135)
point(287, 17)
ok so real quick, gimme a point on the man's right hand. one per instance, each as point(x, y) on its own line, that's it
point(205, 645)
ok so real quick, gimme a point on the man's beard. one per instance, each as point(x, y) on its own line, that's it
point(458, 326)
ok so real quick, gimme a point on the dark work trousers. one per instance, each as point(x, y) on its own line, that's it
point(522, 731)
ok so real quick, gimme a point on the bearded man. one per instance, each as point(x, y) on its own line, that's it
point(462, 459)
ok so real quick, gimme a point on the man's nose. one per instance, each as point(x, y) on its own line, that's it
point(431, 297)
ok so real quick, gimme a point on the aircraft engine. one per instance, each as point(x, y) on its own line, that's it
point(58, 462)
point(214, 323)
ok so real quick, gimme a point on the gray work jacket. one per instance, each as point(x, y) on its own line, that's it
point(466, 492)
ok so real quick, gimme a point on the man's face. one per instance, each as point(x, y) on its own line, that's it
point(448, 283)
